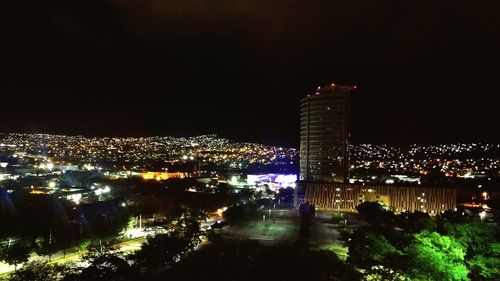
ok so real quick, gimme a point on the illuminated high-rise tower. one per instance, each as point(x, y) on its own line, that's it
point(324, 134)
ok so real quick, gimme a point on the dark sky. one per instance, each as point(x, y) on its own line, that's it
point(427, 71)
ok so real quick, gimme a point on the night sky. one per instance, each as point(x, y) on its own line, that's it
point(426, 71)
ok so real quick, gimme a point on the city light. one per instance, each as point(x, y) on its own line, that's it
point(482, 215)
point(485, 195)
point(101, 191)
point(220, 211)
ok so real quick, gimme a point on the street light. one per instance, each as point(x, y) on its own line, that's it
point(482, 214)
point(485, 195)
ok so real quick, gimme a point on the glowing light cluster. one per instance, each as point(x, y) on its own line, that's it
point(160, 176)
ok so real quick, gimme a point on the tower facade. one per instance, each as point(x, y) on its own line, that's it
point(324, 134)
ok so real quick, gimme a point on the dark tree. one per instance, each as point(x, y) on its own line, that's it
point(245, 195)
point(300, 264)
point(416, 222)
point(241, 212)
point(285, 196)
point(45, 247)
point(39, 271)
point(368, 248)
point(161, 250)
point(104, 265)
point(15, 254)
point(248, 261)
point(374, 212)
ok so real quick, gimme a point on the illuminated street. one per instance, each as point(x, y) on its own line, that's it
point(125, 248)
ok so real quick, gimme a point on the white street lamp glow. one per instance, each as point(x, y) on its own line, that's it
point(482, 214)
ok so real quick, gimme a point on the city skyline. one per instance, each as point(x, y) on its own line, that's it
point(249, 140)
point(130, 71)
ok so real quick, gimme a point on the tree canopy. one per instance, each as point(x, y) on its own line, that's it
point(38, 271)
point(452, 246)
point(436, 257)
